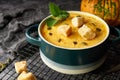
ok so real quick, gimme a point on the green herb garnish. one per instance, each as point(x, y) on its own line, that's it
point(51, 21)
point(2, 66)
point(57, 13)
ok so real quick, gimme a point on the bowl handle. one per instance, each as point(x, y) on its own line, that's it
point(30, 33)
point(116, 32)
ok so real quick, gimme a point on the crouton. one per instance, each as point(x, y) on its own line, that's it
point(65, 30)
point(21, 66)
point(77, 21)
point(86, 32)
point(26, 76)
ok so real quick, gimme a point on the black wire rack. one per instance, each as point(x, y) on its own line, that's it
point(31, 54)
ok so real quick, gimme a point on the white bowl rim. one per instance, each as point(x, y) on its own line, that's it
point(89, 14)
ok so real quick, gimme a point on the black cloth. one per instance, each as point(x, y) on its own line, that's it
point(17, 15)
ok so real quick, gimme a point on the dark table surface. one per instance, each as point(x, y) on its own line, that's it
point(16, 16)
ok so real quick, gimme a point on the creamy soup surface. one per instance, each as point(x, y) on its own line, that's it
point(74, 40)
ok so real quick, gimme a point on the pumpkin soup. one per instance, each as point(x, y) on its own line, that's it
point(65, 34)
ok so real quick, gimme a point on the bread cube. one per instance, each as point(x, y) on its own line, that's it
point(26, 76)
point(65, 30)
point(21, 66)
point(86, 32)
point(77, 21)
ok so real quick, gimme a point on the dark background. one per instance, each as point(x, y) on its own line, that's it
point(16, 16)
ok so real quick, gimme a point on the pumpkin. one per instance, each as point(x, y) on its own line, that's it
point(109, 10)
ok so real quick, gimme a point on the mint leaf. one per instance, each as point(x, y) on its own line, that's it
point(51, 21)
point(54, 9)
point(63, 15)
point(56, 12)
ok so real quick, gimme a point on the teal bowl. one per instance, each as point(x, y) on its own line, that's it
point(72, 60)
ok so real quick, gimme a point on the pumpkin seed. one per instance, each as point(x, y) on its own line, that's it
point(49, 28)
point(74, 42)
point(98, 29)
point(93, 24)
point(50, 34)
point(84, 43)
point(66, 24)
point(59, 40)
point(78, 16)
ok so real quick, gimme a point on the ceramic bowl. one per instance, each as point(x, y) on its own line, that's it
point(72, 60)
